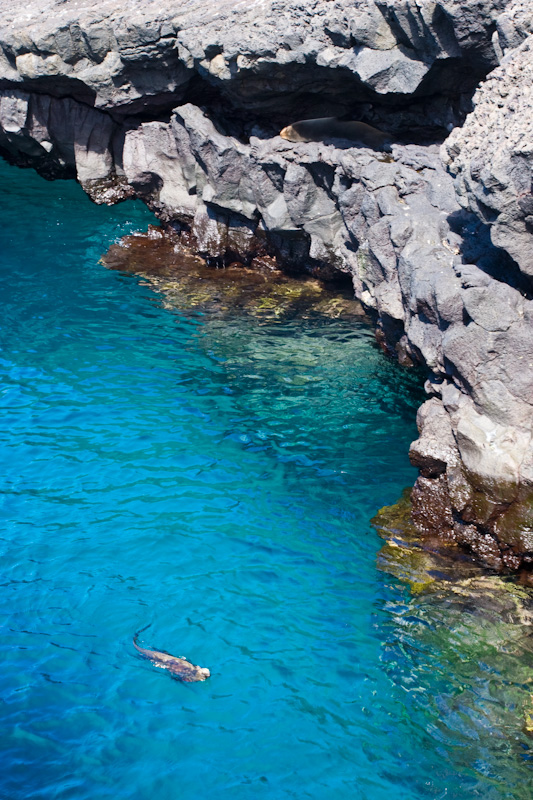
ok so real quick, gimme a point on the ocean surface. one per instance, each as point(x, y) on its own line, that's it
point(215, 480)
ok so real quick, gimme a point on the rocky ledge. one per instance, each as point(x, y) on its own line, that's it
point(181, 106)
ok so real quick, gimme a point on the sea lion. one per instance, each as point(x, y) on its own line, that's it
point(177, 666)
point(318, 130)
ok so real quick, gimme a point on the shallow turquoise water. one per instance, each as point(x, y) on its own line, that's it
point(215, 479)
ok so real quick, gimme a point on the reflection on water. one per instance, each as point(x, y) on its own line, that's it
point(214, 475)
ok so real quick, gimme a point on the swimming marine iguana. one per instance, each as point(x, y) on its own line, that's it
point(177, 666)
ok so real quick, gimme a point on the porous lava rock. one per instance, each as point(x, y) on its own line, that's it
point(492, 156)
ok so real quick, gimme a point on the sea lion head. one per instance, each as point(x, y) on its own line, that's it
point(291, 134)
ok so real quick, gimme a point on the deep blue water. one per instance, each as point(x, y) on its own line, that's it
point(215, 480)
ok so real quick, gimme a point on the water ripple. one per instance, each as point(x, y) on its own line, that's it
point(214, 479)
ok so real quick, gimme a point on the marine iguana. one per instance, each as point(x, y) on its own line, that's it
point(177, 666)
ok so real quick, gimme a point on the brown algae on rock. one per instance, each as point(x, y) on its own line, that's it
point(187, 283)
point(405, 554)
point(428, 562)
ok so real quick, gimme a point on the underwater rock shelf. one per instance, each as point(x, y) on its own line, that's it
point(181, 107)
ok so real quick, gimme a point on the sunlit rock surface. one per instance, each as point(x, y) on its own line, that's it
point(492, 156)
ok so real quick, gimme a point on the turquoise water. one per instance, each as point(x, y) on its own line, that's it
point(215, 480)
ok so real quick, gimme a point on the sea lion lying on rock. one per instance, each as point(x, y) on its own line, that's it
point(177, 666)
point(319, 130)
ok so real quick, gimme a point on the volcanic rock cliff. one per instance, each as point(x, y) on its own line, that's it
point(181, 106)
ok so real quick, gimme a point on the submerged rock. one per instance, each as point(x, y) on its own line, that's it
point(187, 282)
point(462, 617)
point(424, 559)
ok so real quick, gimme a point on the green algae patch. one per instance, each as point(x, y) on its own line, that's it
point(429, 563)
point(408, 564)
point(528, 718)
point(462, 618)
point(413, 559)
point(397, 517)
point(186, 282)
point(402, 555)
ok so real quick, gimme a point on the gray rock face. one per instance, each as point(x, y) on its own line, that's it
point(262, 55)
point(112, 96)
point(512, 26)
point(492, 156)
